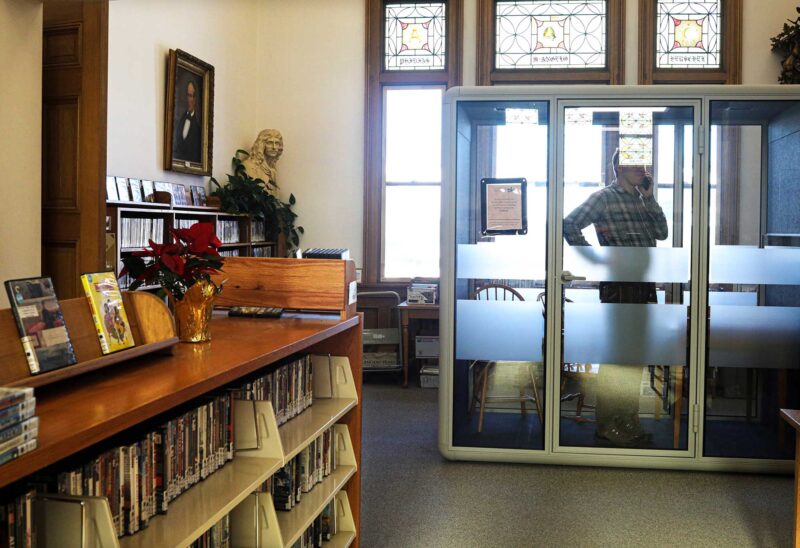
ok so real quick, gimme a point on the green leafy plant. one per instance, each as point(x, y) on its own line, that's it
point(255, 197)
point(788, 43)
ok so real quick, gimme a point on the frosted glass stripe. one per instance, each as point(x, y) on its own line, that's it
point(499, 330)
point(754, 336)
point(628, 334)
point(752, 265)
point(505, 261)
point(628, 264)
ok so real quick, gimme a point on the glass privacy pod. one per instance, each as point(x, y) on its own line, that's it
point(621, 276)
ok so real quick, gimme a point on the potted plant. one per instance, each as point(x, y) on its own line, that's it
point(788, 43)
point(255, 197)
point(183, 268)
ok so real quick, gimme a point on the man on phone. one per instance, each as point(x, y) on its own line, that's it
point(625, 213)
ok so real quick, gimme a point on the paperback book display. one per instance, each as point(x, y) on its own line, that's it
point(289, 388)
point(310, 467)
point(138, 231)
point(40, 323)
point(141, 479)
point(108, 312)
point(219, 536)
point(19, 427)
point(228, 231)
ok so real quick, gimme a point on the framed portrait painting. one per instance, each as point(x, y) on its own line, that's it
point(189, 117)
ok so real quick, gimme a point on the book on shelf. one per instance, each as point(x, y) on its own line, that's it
point(326, 253)
point(228, 231)
point(138, 231)
point(136, 190)
point(40, 323)
point(262, 251)
point(148, 191)
point(112, 194)
point(289, 388)
point(17, 413)
point(198, 195)
point(122, 189)
point(141, 479)
point(108, 311)
point(19, 427)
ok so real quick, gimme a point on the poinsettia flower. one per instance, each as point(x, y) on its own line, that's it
point(199, 237)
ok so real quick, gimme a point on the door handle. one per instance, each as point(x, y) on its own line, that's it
point(567, 277)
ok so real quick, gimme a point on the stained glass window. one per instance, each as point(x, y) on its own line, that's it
point(415, 36)
point(688, 35)
point(545, 34)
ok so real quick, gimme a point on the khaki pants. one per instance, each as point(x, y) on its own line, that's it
point(617, 393)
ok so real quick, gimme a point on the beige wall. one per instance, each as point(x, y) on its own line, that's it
point(20, 139)
point(311, 88)
point(141, 33)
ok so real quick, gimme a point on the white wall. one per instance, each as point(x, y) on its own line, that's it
point(141, 33)
point(20, 140)
point(763, 19)
point(311, 88)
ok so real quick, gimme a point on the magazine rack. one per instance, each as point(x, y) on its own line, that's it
point(152, 326)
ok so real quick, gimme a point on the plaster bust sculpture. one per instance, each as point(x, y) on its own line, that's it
point(264, 155)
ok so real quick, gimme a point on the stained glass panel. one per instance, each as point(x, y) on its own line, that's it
point(545, 34)
point(415, 36)
point(688, 34)
point(635, 150)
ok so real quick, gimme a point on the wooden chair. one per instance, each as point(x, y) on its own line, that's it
point(500, 292)
point(580, 372)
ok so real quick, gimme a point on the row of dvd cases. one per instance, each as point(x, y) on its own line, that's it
point(233, 494)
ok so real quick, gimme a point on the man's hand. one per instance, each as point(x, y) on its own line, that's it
point(646, 189)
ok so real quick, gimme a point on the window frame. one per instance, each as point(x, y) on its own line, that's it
point(730, 70)
point(377, 79)
point(613, 73)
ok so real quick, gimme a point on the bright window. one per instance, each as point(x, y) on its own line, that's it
point(412, 182)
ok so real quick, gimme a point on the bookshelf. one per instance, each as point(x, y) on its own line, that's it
point(107, 402)
point(130, 225)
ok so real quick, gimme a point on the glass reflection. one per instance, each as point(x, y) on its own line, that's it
point(754, 291)
point(624, 357)
point(498, 377)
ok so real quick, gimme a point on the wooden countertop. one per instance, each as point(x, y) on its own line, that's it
point(78, 413)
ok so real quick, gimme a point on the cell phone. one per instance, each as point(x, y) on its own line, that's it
point(646, 182)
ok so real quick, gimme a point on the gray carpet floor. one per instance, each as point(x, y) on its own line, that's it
point(412, 497)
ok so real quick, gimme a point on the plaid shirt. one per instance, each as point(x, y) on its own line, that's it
point(620, 219)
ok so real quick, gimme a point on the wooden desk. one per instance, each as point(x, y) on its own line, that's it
point(410, 312)
point(792, 416)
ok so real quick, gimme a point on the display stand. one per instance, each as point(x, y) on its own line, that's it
point(152, 326)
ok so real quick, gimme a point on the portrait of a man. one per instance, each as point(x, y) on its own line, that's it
point(188, 119)
point(188, 124)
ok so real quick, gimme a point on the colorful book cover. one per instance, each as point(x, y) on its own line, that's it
point(105, 300)
point(40, 323)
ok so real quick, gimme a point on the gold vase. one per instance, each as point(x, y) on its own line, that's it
point(193, 312)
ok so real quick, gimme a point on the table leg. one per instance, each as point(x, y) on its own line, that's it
point(796, 531)
point(404, 325)
point(676, 425)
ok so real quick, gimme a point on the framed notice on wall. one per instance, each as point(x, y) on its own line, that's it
point(504, 206)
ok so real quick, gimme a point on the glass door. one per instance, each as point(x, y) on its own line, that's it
point(501, 228)
point(626, 176)
point(753, 340)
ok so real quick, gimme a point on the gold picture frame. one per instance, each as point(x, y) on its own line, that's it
point(189, 114)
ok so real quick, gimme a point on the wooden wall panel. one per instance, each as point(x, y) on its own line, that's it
point(61, 259)
point(62, 46)
point(74, 95)
point(60, 153)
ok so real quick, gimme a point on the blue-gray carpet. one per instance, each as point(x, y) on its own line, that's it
point(412, 497)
